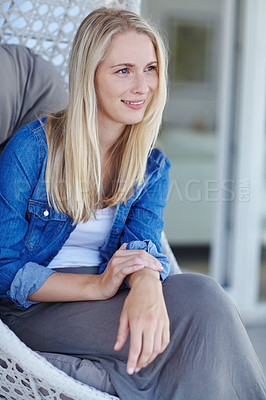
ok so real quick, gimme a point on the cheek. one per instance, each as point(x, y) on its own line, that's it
point(104, 87)
point(154, 83)
point(112, 90)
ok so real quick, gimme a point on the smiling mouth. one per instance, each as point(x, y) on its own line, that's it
point(134, 103)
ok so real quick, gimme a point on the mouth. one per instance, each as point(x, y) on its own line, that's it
point(134, 103)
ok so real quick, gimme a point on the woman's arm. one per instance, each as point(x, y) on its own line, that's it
point(76, 287)
point(67, 287)
point(144, 313)
point(145, 316)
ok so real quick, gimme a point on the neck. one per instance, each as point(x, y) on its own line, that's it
point(108, 136)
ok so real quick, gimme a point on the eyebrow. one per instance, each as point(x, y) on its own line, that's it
point(132, 65)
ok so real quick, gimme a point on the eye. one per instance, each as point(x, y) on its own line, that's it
point(152, 68)
point(122, 71)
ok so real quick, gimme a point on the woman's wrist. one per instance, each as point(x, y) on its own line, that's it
point(144, 274)
point(92, 288)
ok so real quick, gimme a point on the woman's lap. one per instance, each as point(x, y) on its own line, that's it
point(209, 347)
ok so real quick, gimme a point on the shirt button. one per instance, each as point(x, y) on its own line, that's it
point(46, 213)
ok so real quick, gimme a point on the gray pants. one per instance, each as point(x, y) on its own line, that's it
point(209, 357)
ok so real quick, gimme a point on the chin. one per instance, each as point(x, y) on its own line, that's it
point(133, 121)
point(136, 121)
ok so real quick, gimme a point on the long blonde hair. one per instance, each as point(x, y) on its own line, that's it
point(73, 173)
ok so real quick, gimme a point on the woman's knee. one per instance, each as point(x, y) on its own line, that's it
point(192, 284)
point(200, 294)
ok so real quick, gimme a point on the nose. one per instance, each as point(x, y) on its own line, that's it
point(139, 84)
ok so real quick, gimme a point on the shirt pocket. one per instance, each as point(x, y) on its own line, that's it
point(45, 224)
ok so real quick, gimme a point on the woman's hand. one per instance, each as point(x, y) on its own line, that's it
point(144, 314)
point(123, 263)
point(79, 287)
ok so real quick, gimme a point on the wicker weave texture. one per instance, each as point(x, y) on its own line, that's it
point(25, 375)
point(48, 27)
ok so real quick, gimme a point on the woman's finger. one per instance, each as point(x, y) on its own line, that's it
point(147, 350)
point(136, 259)
point(161, 341)
point(146, 257)
point(157, 347)
point(122, 333)
point(131, 269)
point(129, 262)
point(165, 337)
point(134, 349)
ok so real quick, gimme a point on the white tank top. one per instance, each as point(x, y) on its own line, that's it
point(81, 249)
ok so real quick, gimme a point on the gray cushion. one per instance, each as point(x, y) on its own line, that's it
point(30, 87)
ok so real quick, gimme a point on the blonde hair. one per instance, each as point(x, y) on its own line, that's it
point(73, 173)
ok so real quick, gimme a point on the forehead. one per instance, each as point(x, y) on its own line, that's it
point(131, 47)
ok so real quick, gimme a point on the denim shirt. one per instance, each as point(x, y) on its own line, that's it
point(32, 232)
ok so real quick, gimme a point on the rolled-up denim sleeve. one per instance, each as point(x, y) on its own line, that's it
point(27, 280)
point(150, 247)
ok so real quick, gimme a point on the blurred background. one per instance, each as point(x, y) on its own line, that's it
point(214, 134)
point(213, 129)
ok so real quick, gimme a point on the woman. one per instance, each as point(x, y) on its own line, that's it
point(85, 188)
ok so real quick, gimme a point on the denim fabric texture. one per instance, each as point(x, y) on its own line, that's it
point(32, 232)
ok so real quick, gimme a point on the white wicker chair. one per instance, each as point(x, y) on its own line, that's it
point(48, 27)
point(24, 374)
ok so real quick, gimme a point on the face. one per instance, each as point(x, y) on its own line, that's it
point(126, 80)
